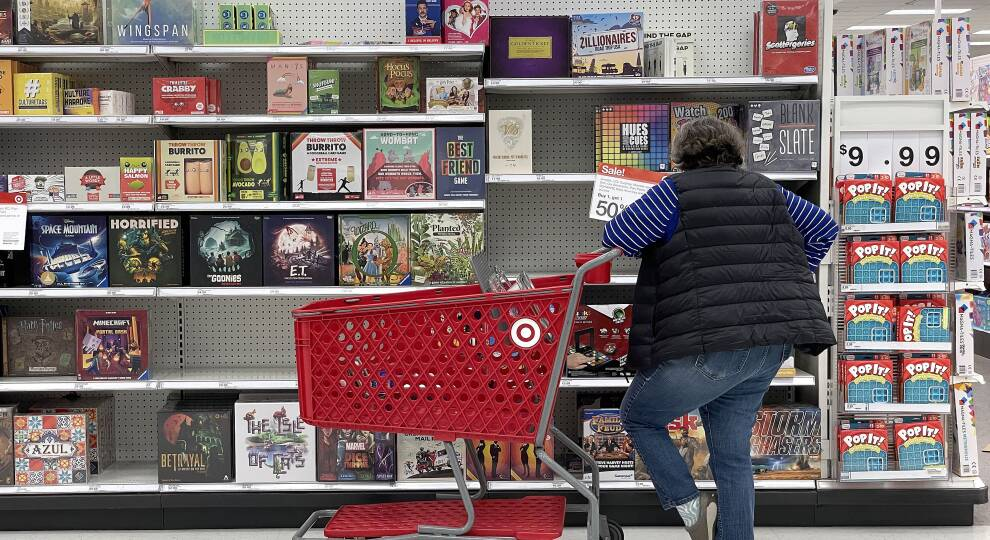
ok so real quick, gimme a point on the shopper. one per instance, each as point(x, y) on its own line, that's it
point(725, 289)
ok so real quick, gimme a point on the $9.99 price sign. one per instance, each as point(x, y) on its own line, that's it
point(618, 186)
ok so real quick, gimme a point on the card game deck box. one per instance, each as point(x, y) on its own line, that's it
point(287, 85)
point(787, 443)
point(634, 135)
point(530, 46)
point(225, 251)
point(442, 245)
point(688, 436)
point(421, 457)
point(50, 449)
point(400, 84)
point(453, 95)
point(924, 259)
point(40, 94)
point(924, 320)
point(69, 251)
point(399, 163)
point(6, 29)
point(465, 21)
point(925, 378)
point(919, 197)
point(272, 443)
point(525, 463)
point(350, 455)
point(256, 167)
point(39, 346)
point(146, 251)
point(373, 250)
point(99, 412)
point(324, 91)
point(137, 179)
point(607, 442)
point(423, 21)
point(81, 102)
point(461, 162)
point(789, 30)
point(865, 198)
point(188, 170)
point(195, 443)
point(9, 68)
point(92, 184)
point(874, 260)
point(112, 345)
point(41, 188)
point(920, 443)
point(133, 22)
point(794, 129)
point(873, 54)
point(863, 446)
point(181, 96)
point(510, 142)
point(871, 319)
point(845, 65)
point(299, 250)
point(607, 44)
point(601, 335)
point(326, 166)
point(7, 444)
point(867, 378)
point(60, 22)
point(494, 457)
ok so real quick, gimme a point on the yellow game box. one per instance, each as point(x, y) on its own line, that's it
point(39, 94)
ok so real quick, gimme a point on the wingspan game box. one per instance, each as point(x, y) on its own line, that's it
point(863, 445)
point(39, 346)
point(920, 443)
point(50, 449)
point(874, 260)
point(374, 249)
point(925, 378)
point(867, 378)
point(225, 251)
point(273, 444)
point(919, 197)
point(865, 198)
point(348, 455)
point(870, 319)
point(69, 251)
point(635, 135)
point(112, 345)
point(299, 250)
point(146, 251)
point(137, 22)
point(442, 246)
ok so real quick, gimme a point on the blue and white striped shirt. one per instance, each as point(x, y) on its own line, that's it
point(654, 216)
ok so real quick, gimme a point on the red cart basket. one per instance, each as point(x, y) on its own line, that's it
point(453, 363)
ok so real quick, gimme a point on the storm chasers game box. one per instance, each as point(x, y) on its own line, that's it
point(461, 162)
point(112, 345)
point(273, 444)
point(194, 443)
point(225, 251)
point(442, 246)
point(50, 449)
point(146, 251)
point(299, 250)
point(373, 249)
point(421, 457)
point(399, 164)
point(787, 443)
point(608, 443)
point(326, 166)
point(349, 455)
point(39, 346)
point(783, 135)
point(139, 22)
point(69, 251)
point(789, 30)
point(607, 44)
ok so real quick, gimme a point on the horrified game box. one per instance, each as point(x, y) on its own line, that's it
point(39, 346)
point(194, 443)
point(112, 345)
point(299, 250)
point(145, 251)
point(69, 251)
point(225, 251)
point(345, 455)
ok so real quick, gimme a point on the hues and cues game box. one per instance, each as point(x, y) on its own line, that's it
point(374, 250)
point(635, 135)
point(146, 251)
point(112, 345)
point(225, 251)
point(299, 250)
point(69, 251)
point(350, 455)
point(39, 346)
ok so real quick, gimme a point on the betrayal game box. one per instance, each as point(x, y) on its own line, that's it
point(7, 444)
point(863, 446)
point(349, 455)
point(39, 346)
point(225, 251)
point(92, 184)
point(530, 46)
point(688, 435)
point(194, 443)
point(299, 250)
point(526, 465)
point(326, 166)
point(461, 162)
point(273, 444)
point(493, 455)
point(865, 198)
point(59, 22)
point(607, 44)
point(256, 167)
point(50, 449)
point(139, 22)
point(146, 251)
point(465, 21)
point(634, 135)
point(925, 378)
point(787, 443)
point(400, 84)
point(783, 135)
point(112, 345)
point(421, 457)
point(789, 31)
point(399, 164)
point(442, 246)
point(867, 378)
point(99, 412)
point(373, 250)
point(607, 442)
point(69, 251)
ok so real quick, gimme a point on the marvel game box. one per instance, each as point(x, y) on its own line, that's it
point(112, 345)
point(299, 250)
point(225, 251)
point(39, 346)
point(373, 250)
point(442, 246)
point(69, 251)
point(348, 455)
point(273, 444)
point(146, 251)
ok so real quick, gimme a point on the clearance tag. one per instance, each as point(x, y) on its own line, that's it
point(13, 220)
point(618, 186)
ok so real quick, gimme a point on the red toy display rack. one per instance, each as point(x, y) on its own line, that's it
point(450, 363)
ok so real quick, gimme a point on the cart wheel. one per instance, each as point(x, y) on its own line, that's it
point(614, 531)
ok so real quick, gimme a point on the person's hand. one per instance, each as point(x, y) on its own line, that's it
point(576, 360)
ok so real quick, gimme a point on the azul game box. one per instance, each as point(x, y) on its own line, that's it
point(789, 31)
point(870, 319)
point(461, 163)
point(50, 449)
point(465, 21)
point(99, 412)
point(373, 250)
point(634, 135)
point(287, 85)
point(41, 188)
point(684, 112)
point(530, 46)
point(510, 142)
point(925, 378)
point(920, 443)
point(273, 443)
point(400, 84)
point(601, 337)
point(146, 251)
point(924, 260)
point(919, 197)
point(863, 446)
point(59, 22)
point(452, 95)
point(607, 442)
point(526, 465)
point(442, 246)
point(688, 436)
point(324, 91)
point(256, 167)
point(787, 443)
point(347, 455)
point(783, 135)
point(421, 457)
point(867, 378)
point(195, 443)
point(69, 251)
point(423, 24)
point(225, 251)
point(39, 346)
point(112, 345)
point(188, 170)
point(874, 260)
point(607, 44)
point(7, 444)
point(865, 198)
point(299, 250)
point(140, 22)
point(923, 320)
point(494, 458)
point(92, 184)
point(399, 163)
point(326, 166)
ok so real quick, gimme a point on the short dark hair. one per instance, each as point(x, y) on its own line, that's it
point(706, 142)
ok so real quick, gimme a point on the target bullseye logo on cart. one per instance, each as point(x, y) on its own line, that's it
point(525, 333)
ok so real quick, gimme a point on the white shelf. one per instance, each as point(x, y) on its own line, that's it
point(192, 292)
point(894, 287)
point(78, 53)
point(227, 379)
point(74, 121)
point(209, 120)
point(343, 206)
point(70, 384)
point(901, 408)
point(119, 478)
point(83, 292)
point(936, 473)
point(645, 84)
point(582, 178)
point(897, 346)
point(953, 482)
point(801, 378)
point(883, 228)
point(349, 53)
point(91, 207)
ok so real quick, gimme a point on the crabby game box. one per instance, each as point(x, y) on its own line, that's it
point(225, 251)
point(112, 345)
point(146, 251)
point(347, 455)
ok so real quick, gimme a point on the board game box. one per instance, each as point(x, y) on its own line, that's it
point(194, 443)
point(256, 167)
point(112, 345)
point(493, 455)
point(81, 102)
point(530, 46)
point(634, 135)
point(287, 85)
point(99, 412)
point(50, 449)
point(421, 457)
point(925, 378)
point(688, 435)
point(918, 61)
point(924, 260)
point(273, 444)
point(326, 166)
point(59, 22)
point(461, 162)
point(39, 346)
point(8, 69)
point(225, 251)
point(465, 21)
point(137, 179)
point(919, 197)
point(865, 198)
point(399, 163)
point(136, 22)
point(873, 48)
point(373, 250)
point(608, 443)
point(863, 445)
point(324, 91)
point(182, 95)
point(6, 30)
point(400, 84)
point(607, 44)
point(867, 378)
point(146, 251)
point(787, 443)
point(423, 24)
point(188, 170)
point(442, 246)
point(299, 250)
point(874, 260)
point(526, 465)
point(510, 142)
point(68, 251)
point(7, 444)
point(870, 319)
point(790, 37)
point(920, 443)
point(683, 112)
point(92, 184)
point(40, 94)
point(347, 455)
point(452, 95)
point(601, 336)
point(924, 320)
point(15, 268)
point(41, 188)
point(783, 135)
point(893, 62)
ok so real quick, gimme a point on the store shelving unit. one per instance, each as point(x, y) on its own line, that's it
point(321, 206)
point(39, 208)
point(67, 121)
point(647, 84)
point(272, 120)
point(78, 53)
point(581, 178)
point(343, 53)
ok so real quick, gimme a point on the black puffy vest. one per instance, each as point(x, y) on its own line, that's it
point(734, 274)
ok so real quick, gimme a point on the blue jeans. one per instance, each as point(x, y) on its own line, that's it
point(727, 388)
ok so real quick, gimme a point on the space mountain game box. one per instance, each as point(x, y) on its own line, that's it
point(69, 251)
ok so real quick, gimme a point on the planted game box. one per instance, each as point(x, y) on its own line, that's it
point(256, 167)
point(526, 465)
point(787, 443)
point(41, 188)
point(688, 435)
point(924, 259)
point(287, 85)
point(924, 320)
point(783, 135)
point(92, 184)
point(601, 335)
point(863, 446)
point(146, 251)
point(607, 442)
point(920, 443)
point(442, 246)
point(400, 84)
point(867, 378)
point(273, 444)
point(59, 22)
point(607, 44)
point(194, 443)
point(494, 457)
point(99, 412)
point(326, 166)
point(69, 251)
point(225, 251)
point(112, 345)
point(874, 260)
point(399, 163)
point(50, 449)
point(423, 21)
point(373, 250)
point(136, 22)
point(461, 162)
point(530, 46)
point(39, 346)
point(188, 170)
point(7, 444)
point(324, 91)
point(634, 135)
point(421, 457)
point(299, 250)
point(925, 378)
point(452, 95)
point(919, 197)
point(865, 198)
point(348, 455)
point(137, 179)
point(870, 319)
point(465, 21)
point(683, 112)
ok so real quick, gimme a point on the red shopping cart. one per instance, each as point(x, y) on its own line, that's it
point(453, 363)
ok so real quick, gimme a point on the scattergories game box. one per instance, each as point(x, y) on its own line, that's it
point(790, 37)
point(299, 250)
point(225, 251)
point(112, 345)
point(50, 449)
point(39, 346)
point(145, 251)
point(69, 251)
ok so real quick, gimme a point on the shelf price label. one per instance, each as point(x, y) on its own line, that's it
point(616, 187)
point(13, 220)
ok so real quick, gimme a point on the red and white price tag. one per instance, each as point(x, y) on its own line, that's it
point(13, 220)
point(617, 186)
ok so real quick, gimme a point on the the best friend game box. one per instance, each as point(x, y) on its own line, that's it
point(867, 378)
point(865, 198)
